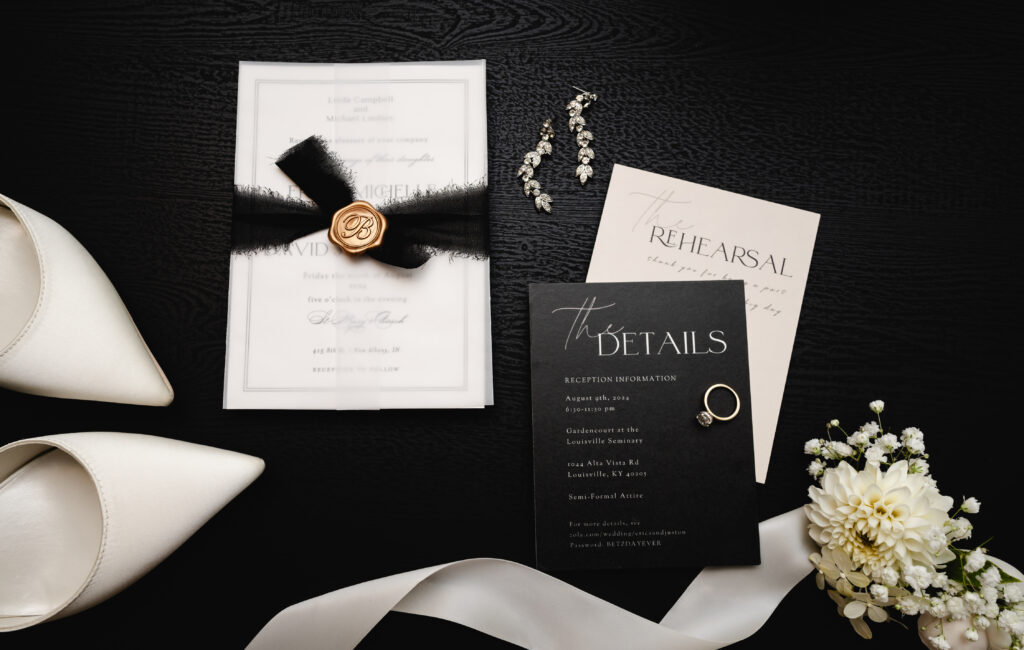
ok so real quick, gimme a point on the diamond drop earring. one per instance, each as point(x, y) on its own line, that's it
point(531, 186)
point(583, 136)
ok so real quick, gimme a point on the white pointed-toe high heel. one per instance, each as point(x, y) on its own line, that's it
point(84, 515)
point(64, 331)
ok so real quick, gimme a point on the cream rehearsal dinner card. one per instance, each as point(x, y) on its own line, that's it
point(656, 227)
point(311, 327)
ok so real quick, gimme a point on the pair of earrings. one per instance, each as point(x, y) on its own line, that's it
point(577, 125)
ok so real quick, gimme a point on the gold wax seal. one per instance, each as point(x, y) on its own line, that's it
point(357, 227)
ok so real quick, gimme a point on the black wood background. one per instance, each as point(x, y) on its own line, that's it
point(900, 125)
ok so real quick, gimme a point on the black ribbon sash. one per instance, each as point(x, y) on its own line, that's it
point(452, 220)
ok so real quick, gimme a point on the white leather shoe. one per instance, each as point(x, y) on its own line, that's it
point(64, 331)
point(84, 515)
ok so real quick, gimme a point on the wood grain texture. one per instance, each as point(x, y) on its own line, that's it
point(900, 125)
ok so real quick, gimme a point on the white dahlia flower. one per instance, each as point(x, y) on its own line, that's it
point(880, 519)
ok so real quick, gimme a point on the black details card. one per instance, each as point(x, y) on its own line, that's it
point(624, 475)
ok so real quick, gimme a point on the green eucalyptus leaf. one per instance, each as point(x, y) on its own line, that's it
point(1004, 577)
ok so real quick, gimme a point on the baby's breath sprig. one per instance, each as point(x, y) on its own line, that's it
point(868, 444)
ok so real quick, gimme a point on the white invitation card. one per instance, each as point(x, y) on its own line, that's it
point(311, 327)
point(655, 227)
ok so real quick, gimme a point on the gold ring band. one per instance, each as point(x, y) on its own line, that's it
point(707, 416)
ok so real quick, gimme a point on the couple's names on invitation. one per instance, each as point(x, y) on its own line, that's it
point(362, 145)
point(360, 109)
point(368, 110)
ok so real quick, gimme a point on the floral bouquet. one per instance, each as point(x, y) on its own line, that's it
point(889, 543)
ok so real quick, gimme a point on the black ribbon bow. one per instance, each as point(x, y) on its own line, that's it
point(452, 220)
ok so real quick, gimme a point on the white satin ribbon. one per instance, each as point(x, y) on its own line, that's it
point(531, 609)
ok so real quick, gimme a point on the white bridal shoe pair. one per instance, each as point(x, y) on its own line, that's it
point(64, 331)
point(84, 515)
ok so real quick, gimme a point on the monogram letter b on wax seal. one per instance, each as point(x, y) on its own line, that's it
point(357, 227)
